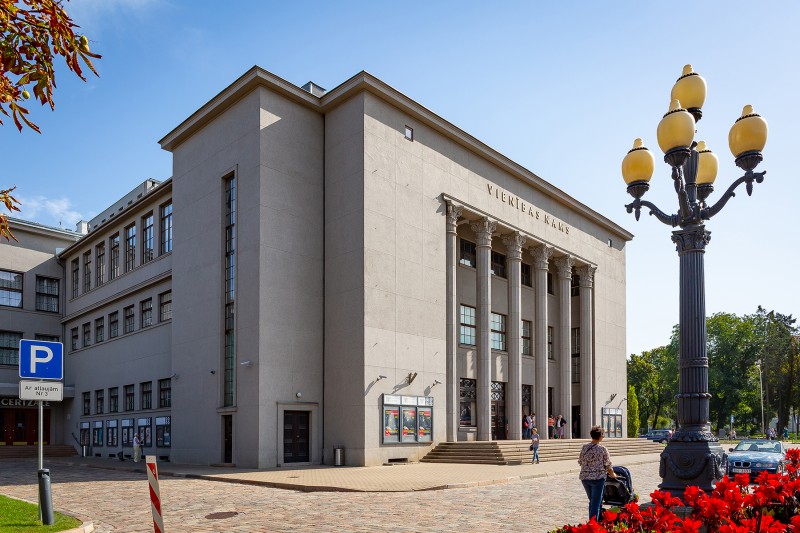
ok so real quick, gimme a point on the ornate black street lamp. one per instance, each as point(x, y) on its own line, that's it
point(693, 455)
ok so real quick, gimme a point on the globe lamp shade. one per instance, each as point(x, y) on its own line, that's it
point(748, 133)
point(708, 165)
point(638, 164)
point(690, 89)
point(676, 129)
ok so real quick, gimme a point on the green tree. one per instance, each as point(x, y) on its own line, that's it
point(633, 412)
point(652, 373)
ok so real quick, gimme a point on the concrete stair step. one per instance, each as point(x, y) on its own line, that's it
point(28, 452)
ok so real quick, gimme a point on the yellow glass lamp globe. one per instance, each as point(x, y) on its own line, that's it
point(708, 165)
point(638, 164)
point(748, 133)
point(676, 129)
point(690, 89)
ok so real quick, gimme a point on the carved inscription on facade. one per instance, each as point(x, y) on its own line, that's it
point(520, 204)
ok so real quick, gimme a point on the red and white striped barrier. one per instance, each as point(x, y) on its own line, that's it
point(155, 494)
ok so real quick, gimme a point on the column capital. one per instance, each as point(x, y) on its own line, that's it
point(483, 229)
point(691, 239)
point(564, 265)
point(453, 214)
point(586, 273)
point(541, 255)
point(514, 243)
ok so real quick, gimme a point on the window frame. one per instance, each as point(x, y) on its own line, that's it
point(9, 347)
point(100, 264)
point(113, 325)
point(165, 242)
point(164, 393)
point(43, 295)
point(128, 320)
point(497, 331)
point(526, 275)
point(99, 401)
point(113, 253)
point(551, 356)
point(87, 334)
point(130, 247)
point(129, 391)
point(146, 395)
point(527, 340)
point(467, 253)
point(75, 276)
point(99, 329)
point(87, 271)
point(148, 238)
point(498, 264)
point(465, 326)
point(113, 399)
point(74, 337)
point(12, 290)
point(146, 313)
point(165, 306)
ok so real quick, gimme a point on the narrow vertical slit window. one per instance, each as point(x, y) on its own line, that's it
point(130, 247)
point(87, 271)
point(147, 238)
point(113, 272)
point(100, 264)
point(229, 354)
point(166, 228)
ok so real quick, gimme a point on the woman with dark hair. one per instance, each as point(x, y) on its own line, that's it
point(595, 464)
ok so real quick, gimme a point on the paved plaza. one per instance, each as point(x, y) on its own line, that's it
point(492, 498)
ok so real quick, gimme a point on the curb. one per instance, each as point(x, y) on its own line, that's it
point(87, 526)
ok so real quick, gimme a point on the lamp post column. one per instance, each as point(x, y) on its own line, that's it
point(483, 250)
point(693, 456)
point(564, 265)
point(514, 243)
point(453, 213)
point(586, 274)
point(541, 256)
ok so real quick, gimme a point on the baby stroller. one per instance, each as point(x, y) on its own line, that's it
point(619, 491)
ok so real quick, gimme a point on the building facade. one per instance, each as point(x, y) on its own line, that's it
point(349, 270)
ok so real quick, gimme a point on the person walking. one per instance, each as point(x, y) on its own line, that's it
point(535, 446)
point(551, 426)
point(526, 426)
point(595, 463)
point(137, 448)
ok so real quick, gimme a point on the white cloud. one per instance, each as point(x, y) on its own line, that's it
point(96, 15)
point(58, 212)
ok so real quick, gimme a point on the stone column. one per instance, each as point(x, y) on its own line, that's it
point(588, 414)
point(453, 213)
point(483, 235)
point(514, 243)
point(541, 256)
point(564, 265)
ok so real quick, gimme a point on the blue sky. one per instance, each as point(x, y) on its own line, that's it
point(561, 88)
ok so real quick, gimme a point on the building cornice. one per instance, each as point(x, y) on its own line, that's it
point(40, 229)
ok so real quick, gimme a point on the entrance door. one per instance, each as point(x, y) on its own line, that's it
point(498, 420)
point(576, 422)
point(20, 427)
point(295, 437)
point(227, 435)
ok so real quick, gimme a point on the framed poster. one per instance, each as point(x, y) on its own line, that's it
point(391, 424)
point(424, 424)
point(409, 424)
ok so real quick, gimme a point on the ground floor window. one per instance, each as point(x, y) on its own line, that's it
point(145, 431)
point(468, 394)
point(163, 431)
point(85, 434)
point(97, 433)
point(127, 431)
point(112, 433)
point(611, 420)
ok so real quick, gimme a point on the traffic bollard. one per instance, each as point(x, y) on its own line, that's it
point(155, 494)
point(45, 498)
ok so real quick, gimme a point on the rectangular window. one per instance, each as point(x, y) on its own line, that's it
point(127, 431)
point(163, 431)
point(99, 401)
point(550, 283)
point(47, 294)
point(498, 332)
point(165, 392)
point(113, 324)
point(165, 306)
point(111, 433)
point(113, 400)
point(145, 431)
point(87, 334)
point(99, 330)
point(146, 395)
point(146, 315)
point(467, 332)
point(527, 401)
point(113, 244)
point(75, 277)
point(73, 335)
point(97, 433)
point(47, 338)
point(87, 403)
point(467, 253)
point(128, 318)
point(550, 354)
point(575, 341)
point(575, 285)
point(229, 354)
point(526, 275)
point(166, 228)
point(147, 238)
point(87, 271)
point(100, 266)
point(9, 347)
point(576, 369)
point(468, 395)
point(130, 247)
point(409, 133)
point(498, 264)
point(10, 288)
point(526, 337)
point(130, 403)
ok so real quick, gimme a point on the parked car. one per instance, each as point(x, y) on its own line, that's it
point(753, 456)
point(658, 435)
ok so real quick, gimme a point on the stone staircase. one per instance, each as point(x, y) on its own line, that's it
point(32, 452)
point(514, 452)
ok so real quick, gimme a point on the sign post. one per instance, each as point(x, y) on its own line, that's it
point(42, 361)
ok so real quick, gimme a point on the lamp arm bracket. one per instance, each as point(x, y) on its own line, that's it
point(748, 179)
point(637, 204)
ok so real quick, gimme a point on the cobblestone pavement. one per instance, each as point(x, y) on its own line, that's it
point(119, 501)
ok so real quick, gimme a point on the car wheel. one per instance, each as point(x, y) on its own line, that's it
point(663, 441)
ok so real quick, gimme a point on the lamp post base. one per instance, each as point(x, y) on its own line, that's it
point(698, 462)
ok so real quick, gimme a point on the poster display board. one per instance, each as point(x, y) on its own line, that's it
point(407, 419)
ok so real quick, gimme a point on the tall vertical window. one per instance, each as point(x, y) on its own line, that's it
point(130, 397)
point(9, 347)
point(146, 395)
point(498, 332)
point(130, 247)
point(467, 253)
point(146, 318)
point(575, 341)
point(128, 318)
point(73, 335)
point(230, 291)
point(526, 337)
point(498, 264)
point(113, 324)
point(526, 275)
point(575, 285)
point(165, 392)
point(99, 330)
point(99, 401)
point(10, 288)
point(47, 294)
point(166, 228)
point(113, 244)
point(87, 403)
point(87, 334)
point(550, 283)
point(113, 399)
point(100, 264)
point(576, 369)
point(87, 271)
point(147, 238)
point(165, 306)
point(75, 277)
point(467, 331)
point(550, 353)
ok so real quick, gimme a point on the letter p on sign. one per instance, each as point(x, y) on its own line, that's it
point(41, 360)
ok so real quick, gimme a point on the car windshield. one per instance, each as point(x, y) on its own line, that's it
point(756, 446)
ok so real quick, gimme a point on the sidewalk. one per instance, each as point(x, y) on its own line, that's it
point(397, 478)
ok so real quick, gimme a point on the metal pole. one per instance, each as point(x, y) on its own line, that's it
point(45, 496)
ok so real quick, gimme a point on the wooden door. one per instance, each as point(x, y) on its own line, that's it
point(295, 437)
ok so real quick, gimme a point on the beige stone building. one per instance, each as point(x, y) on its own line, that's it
point(348, 270)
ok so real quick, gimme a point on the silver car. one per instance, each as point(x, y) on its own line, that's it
point(753, 456)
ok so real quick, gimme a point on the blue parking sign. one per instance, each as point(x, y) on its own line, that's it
point(41, 360)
